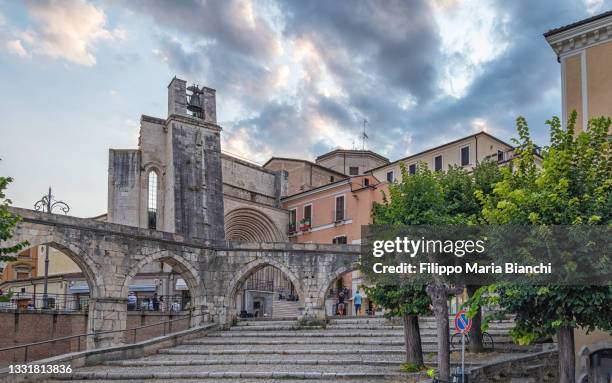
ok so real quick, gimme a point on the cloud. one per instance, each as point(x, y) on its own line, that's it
point(296, 78)
point(65, 30)
point(15, 47)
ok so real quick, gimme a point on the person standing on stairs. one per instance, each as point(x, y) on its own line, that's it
point(357, 302)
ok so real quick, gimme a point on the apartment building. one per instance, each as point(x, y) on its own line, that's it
point(465, 152)
point(303, 175)
point(335, 213)
point(352, 162)
point(584, 52)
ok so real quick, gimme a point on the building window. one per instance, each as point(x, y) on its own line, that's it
point(339, 212)
point(366, 182)
point(353, 170)
point(438, 163)
point(307, 219)
point(500, 156)
point(23, 272)
point(339, 240)
point(390, 176)
point(412, 169)
point(465, 156)
point(152, 201)
point(331, 179)
point(292, 221)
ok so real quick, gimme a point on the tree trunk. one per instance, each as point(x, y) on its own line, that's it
point(567, 358)
point(475, 332)
point(412, 339)
point(438, 294)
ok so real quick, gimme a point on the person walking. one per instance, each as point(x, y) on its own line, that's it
point(357, 302)
point(155, 302)
point(341, 303)
point(132, 301)
point(162, 304)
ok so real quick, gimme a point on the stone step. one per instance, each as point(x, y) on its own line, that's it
point(293, 350)
point(214, 376)
point(285, 369)
point(366, 379)
point(282, 308)
point(306, 360)
point(258, 361)
point(258, 340)
point(272, 321)
point(246, 332)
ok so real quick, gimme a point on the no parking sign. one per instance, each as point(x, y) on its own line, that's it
point(462, 326)
point(462, 322)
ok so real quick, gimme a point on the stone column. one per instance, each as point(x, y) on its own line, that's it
point(314, 307)
point(107, 314)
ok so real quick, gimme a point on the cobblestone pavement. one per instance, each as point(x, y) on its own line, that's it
point(349, 350)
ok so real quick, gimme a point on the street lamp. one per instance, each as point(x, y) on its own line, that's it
point(47, 204)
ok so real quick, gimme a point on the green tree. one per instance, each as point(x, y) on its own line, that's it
point(429, 198)
point(406, 302)
point(8, 221)
point(571, 188)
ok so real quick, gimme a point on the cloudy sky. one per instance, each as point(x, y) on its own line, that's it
point(293, 78)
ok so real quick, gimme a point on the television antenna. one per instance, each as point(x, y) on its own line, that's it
point(364, 137)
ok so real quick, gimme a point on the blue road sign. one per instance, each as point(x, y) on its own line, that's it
point(462, 322)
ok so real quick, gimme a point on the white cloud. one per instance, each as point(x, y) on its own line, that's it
point(593, 6)
point(472, 35)
point(15, 47)
point(241, 143)
point(66, 30)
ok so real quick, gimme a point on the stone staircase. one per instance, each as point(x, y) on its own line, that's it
point(358, 350)
point(284, 309)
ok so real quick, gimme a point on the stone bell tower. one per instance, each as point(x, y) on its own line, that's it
point(195, 171)
point(172, 182)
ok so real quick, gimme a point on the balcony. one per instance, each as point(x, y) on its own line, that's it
point(292, 229)
point(305, 224)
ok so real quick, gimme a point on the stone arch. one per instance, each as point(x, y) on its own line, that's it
point(327, 283)
point(246, 224)
point(243, 274)
point(92, 275)
point(185, 269)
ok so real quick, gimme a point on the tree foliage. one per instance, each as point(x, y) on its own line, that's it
point(8, 221)
point(572, 187)
point(428, 198)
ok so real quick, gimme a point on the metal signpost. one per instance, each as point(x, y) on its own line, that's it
point(462, 326)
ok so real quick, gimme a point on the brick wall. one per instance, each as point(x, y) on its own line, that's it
point(17, 328)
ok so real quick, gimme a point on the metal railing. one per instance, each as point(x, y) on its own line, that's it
point(259, 284)
point(52, 343)
point(35, 301)
point(170, 304)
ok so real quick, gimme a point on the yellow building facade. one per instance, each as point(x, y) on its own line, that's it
point(584, 51)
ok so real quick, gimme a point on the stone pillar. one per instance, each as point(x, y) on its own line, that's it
point(314, 307)
point(107, 314)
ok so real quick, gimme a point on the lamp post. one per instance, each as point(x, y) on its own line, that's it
point(47, 204)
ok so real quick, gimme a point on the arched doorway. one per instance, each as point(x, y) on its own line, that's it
point(339, 293)
point(68, 293)
point(245, 224)
point(164, 285)
point(265, 289)
point(69, 285)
